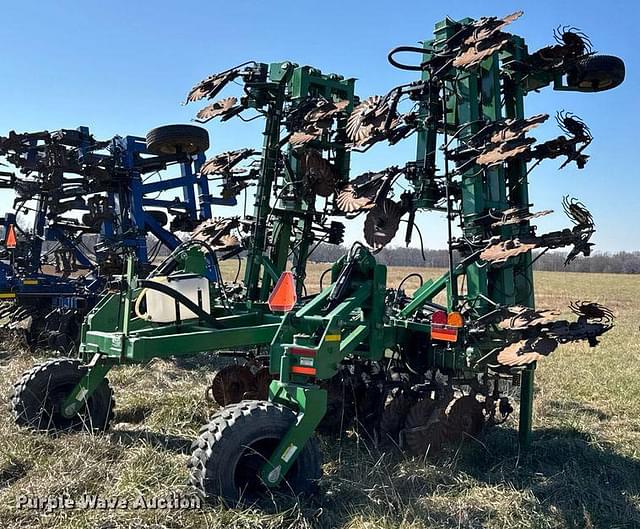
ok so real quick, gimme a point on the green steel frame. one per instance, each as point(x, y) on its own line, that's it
point(110, 336)
point(349, 318)
point(320, 335)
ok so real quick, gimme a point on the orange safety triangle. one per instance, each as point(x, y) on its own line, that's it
point(10, 241)
point(283, 297)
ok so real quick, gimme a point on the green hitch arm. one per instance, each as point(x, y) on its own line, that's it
point(312, 405)
point(98, 369)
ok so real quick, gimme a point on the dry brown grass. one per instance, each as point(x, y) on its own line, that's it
point(583, 470)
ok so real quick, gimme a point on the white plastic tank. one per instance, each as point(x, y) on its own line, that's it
point(161, 308)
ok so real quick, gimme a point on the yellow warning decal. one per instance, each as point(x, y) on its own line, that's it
point(8, 295)
point(30, 282)
point(332, 337)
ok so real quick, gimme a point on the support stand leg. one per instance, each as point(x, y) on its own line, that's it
point(526, 407)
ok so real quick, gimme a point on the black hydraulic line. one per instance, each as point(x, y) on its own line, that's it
point(181, 298)
point(322, 277)
point(409, 276)
point(407, 67)
point(171, 260)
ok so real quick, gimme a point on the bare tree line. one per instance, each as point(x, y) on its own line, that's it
point(602, 262)
point(599, 262)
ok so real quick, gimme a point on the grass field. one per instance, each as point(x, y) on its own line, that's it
point(583, 470)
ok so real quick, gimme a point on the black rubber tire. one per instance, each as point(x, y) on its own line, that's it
point(597, 73)
point(36, 398)
point(172, 139)
point(215, 465)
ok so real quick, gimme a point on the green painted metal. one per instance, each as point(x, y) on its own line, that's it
point(268, 171)
point(98, 369)
point(526, 406)
point(310, 403)
point(350, 324)
point(350, 317)
point(357, 325)
point(112, 335)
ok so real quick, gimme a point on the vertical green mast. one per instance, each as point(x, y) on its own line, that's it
point(275, 94)
point(472, 99)
point(285, 207)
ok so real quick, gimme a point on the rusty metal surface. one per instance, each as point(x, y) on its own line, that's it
point(324, 112)
point(505, 141)
point(537, 333)
point(230, 384)
point(393, 418)
point(478, 52)
point(211, 86)
point(578, 237)
point(518, 216)
point(465, 418)
point(220, 234)
point(311, 118)
point(500, 141)
point(263, 378)
point(501, 251)
point(382, 223)
point(226, 162)
point(320, 176)
point(363, 191)
point(522, 318)
point(366, 124)
point(302, 137)
point(348, 201)
point(511, 129)
point(526, 352)
point(17, 317)
point(499, 154)
point(225, 108)
point(224, 167)
point(425, 430)
point(485, 37)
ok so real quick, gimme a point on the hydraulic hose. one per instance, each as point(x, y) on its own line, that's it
point(178, 296)
point(404, 49)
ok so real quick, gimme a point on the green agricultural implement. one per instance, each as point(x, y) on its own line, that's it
point(409, 370)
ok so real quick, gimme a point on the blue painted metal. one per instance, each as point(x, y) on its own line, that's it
point(129, 197)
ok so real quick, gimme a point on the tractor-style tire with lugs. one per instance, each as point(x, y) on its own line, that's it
point(37, 398)
point(230, 451)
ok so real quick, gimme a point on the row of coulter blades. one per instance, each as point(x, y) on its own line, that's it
point(529, 333)
point(378, 119)
point(534, 334)
point(450, 413)
point(425, 425)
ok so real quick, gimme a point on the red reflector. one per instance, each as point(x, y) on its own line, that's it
point(444, 334)
point(10, 241)
point(302, 352)
point(439, 317)
point(301, 370)
point(283, 297)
